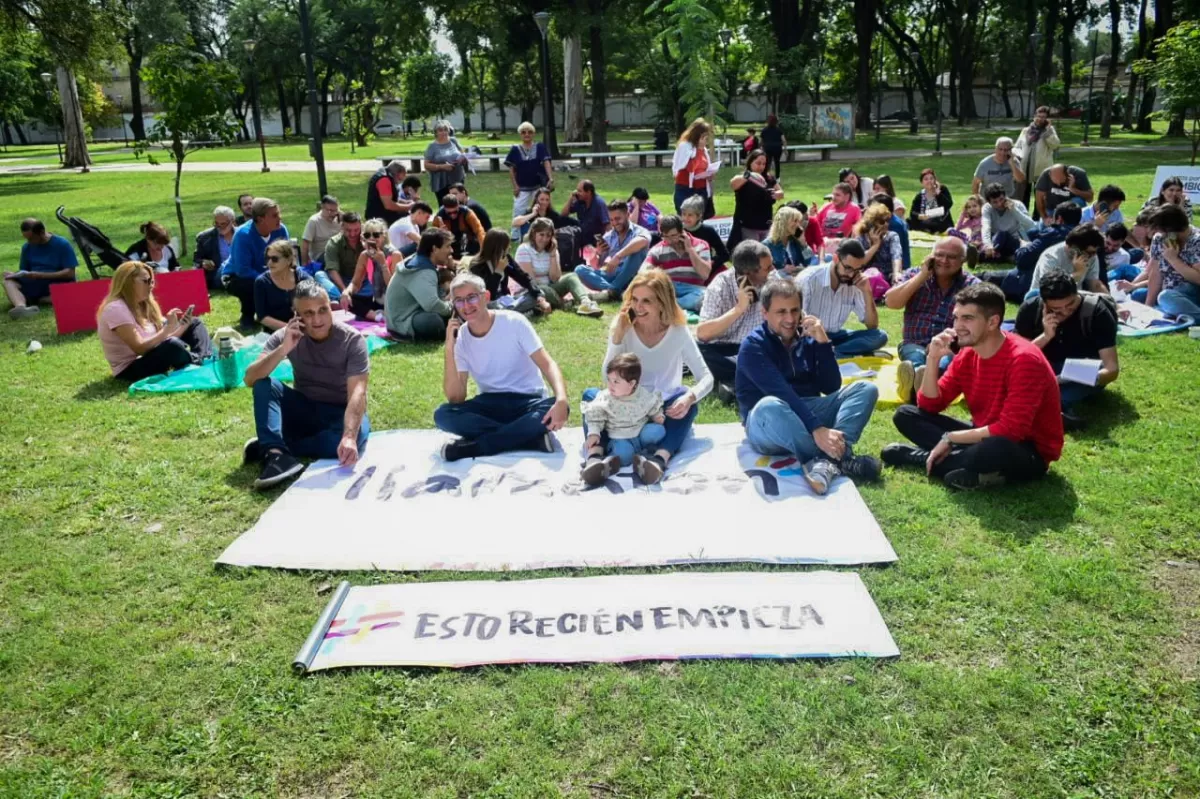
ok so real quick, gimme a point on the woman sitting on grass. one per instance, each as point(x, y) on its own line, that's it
point(494, 266)
point(932, 206)
point(884, 184)
point(538, 258)
point(274, 288)
point(154, 248)
point(885, 260)
point(137, 341)
point(376, 265)
point(785, 240)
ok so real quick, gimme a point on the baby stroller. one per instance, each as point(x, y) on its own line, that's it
point(91, 241)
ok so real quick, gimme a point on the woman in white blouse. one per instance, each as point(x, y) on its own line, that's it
point(653, 327)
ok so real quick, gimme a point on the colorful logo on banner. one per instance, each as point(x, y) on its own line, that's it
point(359, 624)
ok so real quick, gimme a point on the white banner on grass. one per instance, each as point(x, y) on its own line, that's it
point(599, 619)
point(402, 508)
point(1190, 175)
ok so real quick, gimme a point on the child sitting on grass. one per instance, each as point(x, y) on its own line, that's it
point(630, 414)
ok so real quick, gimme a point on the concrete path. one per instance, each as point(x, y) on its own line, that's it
point(630, 160)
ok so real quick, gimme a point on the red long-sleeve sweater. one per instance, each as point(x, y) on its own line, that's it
point(1014, 394)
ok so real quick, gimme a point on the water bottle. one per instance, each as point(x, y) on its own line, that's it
point(227, 368)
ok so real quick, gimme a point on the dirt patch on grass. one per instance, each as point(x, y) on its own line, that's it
point(1180, 581)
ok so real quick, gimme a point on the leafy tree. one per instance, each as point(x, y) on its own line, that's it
point(430, 87)
point(143, 25)
point(193, 93)
point(691, 37)
point(1176, 70)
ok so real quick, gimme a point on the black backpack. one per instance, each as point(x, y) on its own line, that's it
point(1094, 304)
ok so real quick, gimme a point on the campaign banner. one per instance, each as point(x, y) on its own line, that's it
point(598, 619)
point(1190, 175)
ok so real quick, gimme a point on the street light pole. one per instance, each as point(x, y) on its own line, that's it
point(250, 44)
point(46, 79)
point(542, 18)
point(726, 35)
point(120, 98)
point(318, 147)
point(1087, 119)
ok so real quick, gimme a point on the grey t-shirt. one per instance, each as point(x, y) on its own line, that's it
point(322, 367)
point(443, 154)
point(1057, 194)
point(991, 172)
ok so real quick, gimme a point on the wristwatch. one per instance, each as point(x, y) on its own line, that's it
point(946, 439)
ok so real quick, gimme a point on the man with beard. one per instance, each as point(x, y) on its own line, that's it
point(832, 291)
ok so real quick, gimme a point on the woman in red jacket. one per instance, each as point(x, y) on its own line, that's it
point(691, 165)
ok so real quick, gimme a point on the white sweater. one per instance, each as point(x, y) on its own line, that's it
point(662, 365)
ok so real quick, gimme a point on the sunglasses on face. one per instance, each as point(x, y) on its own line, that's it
point(372, 235)
point(463, 302)
point(274, 258)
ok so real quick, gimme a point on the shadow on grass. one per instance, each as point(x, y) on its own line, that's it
point(37, 182)
point(1024, 511)
point(103, 389)
point(1103, 413)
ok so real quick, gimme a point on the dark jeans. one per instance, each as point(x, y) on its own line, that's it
point(243, 289)
point(721, 358)
point(677, 429)
point(191, 346)
point(1013, 282)
point(683, 192)
point(35, 289)
point(774, 156)
point(360, 306)
point(286, 420)
point(426, 326)
point(497, 422)
point(1015, 461)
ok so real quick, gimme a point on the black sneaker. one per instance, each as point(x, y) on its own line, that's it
point(967, 480)
point(459, 450)
point(726, 394)
point(861, 468)
point(1072, 423)
point(251, 452)
point(649, 470)
point(279, 468)
point(904, 455)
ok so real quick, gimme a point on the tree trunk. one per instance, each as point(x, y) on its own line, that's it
point(136, 124)
point(864, 34)
point(180, 153)
point(1163, 21)
point(1110, 77)
point(1008, 111)
point(599, 90)
point(1068, 49)
point(74, 132)
point(21, 134)
point(903, 43)
point(325, 82)
point(575, 117)
point(465, 60)
point(1139, 52)
point(504, 119)
point(281, 100)
point(790, 22)
point(1046, 71)
point(299, 96)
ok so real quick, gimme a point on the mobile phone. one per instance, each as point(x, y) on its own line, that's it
point(954, 345)
point(1102, 208)
point(632, 315)
point(191, 309)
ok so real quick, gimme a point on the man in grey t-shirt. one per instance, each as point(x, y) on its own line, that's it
point(325, 415)
point(1000, 167)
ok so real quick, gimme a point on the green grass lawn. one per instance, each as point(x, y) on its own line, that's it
point(978, 134)
point(1047, 648)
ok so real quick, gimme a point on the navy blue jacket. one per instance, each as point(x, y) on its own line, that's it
point(1027, 257)
point(767, 368)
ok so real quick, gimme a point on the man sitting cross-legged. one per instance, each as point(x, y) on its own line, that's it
point(1005, 224)
point(325, 415)
point(1016, 426)
point(784, 367)
point(46, 259)
point(731, 311)
point(684, 258)
point(502, 353)
point(832, 291)
point(1066, 323)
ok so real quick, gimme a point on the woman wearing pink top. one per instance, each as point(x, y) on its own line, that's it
point(137, 340)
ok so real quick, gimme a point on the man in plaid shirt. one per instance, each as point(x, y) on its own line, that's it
point(926, 293)
point(731, 310)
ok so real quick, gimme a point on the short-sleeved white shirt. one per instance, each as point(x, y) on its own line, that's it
point(500, 361)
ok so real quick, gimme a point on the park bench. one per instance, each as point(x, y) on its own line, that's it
point(826, 151)
point(415, 160)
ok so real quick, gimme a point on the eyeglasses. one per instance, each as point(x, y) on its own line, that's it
point(463, 302)
point(372, 235)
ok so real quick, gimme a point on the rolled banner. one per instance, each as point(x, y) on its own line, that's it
point(304, 657)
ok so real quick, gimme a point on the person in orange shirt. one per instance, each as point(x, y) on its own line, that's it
point(463, 225)
point(691, 165)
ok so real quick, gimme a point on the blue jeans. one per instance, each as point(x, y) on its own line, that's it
point(1182, 300)
point(324, 282)
point(1071, 394)
point(683, 192)
point(1005, 244)
point(286, 420)
point(689, 296)
point(773, 428)
point(497, 422)
point(916, 354)
point(676, 431)
point(1126, 272)
point(1136, 255)
point(645, 441)
point(848, 343)
point(599, 280)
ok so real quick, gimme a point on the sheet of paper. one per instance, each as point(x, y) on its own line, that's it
point(1081, 370)
point(852, 370)
point(935, 212)
point(1136, 315)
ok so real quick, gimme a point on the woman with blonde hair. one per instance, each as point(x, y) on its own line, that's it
point(652, 326)
point(374, 270)
point(538, 259)
point(785, 240)
point(691, 166)
point(137, 341)
point(885, 260)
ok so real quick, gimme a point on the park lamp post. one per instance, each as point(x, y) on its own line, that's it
point(879, 96)
point(941, 77)
point(318, 141)
point(249, 45)
point(726, 36)
point(542, 18)
point(120, 98)
point(1087, 114)
point(46, 79)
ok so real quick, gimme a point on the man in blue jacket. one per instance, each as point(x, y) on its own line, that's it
point(248, 254)
point(783, 369)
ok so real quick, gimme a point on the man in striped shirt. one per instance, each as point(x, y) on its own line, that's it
point(731, 312)
point(684, 258)
point(832, 291)
point(1016, 428)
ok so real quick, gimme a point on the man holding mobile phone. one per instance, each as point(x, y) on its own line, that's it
point(1016, 427)
point(325, 415)
point(619, 253)
point(731, 311)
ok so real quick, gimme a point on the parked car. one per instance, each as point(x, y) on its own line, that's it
point(386, 129)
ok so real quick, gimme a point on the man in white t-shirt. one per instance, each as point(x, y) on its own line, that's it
point(321, 227)
point(405, 232)
point(502, 353)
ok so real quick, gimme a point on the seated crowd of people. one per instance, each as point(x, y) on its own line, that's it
point(773, 299)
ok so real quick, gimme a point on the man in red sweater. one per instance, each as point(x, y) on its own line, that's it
point(1010, 389)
